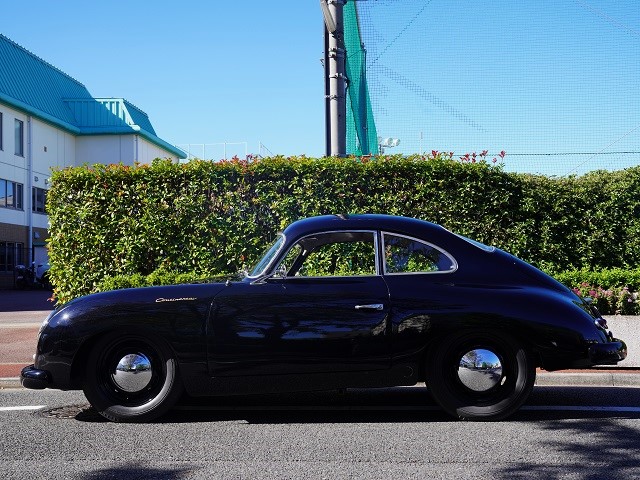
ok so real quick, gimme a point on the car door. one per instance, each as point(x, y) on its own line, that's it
point(417, 274)
point(328, 311)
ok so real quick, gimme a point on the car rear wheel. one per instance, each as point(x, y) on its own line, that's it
point(480, 375)
point(131, 378)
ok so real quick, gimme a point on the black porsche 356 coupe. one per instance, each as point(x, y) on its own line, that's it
point(337, 301)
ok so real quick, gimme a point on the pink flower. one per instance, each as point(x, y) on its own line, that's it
point(484, 153)
point(434, 153)
point(502, 154)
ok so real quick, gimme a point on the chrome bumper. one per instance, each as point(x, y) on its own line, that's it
point(31, 377)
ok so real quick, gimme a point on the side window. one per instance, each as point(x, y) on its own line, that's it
point(334, 254)
point(408, 255)
point(288, 264)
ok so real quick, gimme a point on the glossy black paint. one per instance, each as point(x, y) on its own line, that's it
point(269, 333)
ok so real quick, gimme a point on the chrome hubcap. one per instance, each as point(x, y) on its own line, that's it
point(480, 370)
point(133, 373)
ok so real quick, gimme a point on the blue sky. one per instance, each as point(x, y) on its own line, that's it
point(529, 77)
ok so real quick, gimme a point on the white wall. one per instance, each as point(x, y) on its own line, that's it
point(105, 149)
point(12, 166)
point(147, 152)
point(51, 148)
point(117, 148)
point(55, 148)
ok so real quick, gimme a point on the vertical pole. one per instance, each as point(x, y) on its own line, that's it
point(30, 256)
point(336, 80)
point(327, 101)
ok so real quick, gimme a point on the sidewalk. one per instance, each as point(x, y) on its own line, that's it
point(19, 332)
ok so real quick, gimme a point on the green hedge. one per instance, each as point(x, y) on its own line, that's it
point(614, 291)
point(204, 218)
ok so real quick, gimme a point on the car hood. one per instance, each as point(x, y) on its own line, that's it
point(136, 299)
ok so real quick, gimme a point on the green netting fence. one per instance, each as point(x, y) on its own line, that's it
point(553, 84)
point(362, 137)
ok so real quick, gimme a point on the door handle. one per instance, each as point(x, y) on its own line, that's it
point(371, 306)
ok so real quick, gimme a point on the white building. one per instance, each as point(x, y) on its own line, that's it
point(49, 120)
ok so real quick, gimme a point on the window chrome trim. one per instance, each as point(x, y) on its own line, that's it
point(477, 244)
point(424, 242)
point(275, 256)
point(374, 233)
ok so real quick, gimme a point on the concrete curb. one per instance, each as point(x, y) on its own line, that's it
point(11, 382)
point(588, 379)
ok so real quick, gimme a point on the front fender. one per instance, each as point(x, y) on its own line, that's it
point(177, 314)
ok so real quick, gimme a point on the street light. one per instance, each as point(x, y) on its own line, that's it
point(329, 22)
point(387, 143)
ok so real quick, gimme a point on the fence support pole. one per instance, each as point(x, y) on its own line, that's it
point(335, 78)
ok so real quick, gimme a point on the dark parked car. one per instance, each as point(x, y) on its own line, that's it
point(337, 301)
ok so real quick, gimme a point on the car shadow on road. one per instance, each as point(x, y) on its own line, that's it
point(600, 442)
point(389, 405)
point(134, 470)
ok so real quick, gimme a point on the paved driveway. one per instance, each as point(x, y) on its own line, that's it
point(25, 300)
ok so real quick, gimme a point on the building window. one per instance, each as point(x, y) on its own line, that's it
point(11, 194)
point(19, 131)
point(39, 199)
point(1, 148)
point(11, 254)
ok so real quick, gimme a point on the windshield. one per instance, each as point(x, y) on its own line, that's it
point(267, 257)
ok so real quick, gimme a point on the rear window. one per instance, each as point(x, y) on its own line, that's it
point(410, 255)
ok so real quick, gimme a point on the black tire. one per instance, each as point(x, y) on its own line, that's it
point(161, 383)
point(506, 390)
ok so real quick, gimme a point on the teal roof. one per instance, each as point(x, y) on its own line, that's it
point(36, 87)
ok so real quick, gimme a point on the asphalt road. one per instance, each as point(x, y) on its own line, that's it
point(563, 433)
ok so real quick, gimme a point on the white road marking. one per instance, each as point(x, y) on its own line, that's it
point(571, 408)
point(22, 407)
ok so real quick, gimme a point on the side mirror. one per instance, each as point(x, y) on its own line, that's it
point(281, 271)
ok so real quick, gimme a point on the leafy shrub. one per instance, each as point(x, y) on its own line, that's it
point(136, 280)
point(603, 278)
point(614, 291)
point(204, 218)
point(610, 301)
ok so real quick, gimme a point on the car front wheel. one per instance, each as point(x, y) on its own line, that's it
point(131, 378)
point(479, 375)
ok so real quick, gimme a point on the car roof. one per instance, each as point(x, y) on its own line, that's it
point(393, 223)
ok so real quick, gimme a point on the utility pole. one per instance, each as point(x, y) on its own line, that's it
point(335, 78)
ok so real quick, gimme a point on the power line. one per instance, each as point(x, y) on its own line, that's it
point(553, 154)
